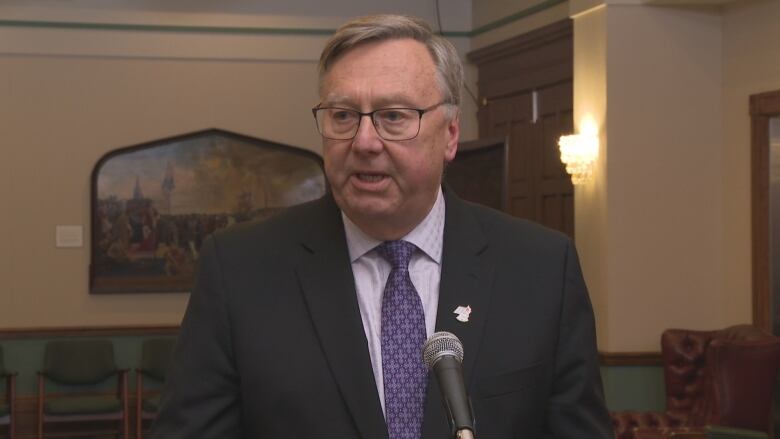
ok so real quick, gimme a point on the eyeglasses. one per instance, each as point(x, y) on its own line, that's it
point(393, 124)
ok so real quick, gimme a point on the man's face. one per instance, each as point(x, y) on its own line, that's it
point(387, 187)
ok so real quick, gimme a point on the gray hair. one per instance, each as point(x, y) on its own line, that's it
point(375, 28)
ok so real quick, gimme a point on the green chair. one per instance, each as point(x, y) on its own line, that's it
point(155, 356)
point(79, 368)
point(8, 406)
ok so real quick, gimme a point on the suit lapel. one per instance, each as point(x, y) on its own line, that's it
point(466, 279)
point(329, 290)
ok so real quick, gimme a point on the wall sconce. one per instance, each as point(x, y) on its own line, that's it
point(579, 153)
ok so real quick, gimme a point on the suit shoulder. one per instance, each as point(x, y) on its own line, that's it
point(275, 231)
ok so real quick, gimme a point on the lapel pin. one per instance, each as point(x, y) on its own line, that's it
point(463, 313)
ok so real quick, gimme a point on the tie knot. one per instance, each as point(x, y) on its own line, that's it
point(397, 253)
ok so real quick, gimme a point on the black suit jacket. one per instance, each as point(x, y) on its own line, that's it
point(272, 344)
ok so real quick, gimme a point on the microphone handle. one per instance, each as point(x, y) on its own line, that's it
point(456, 401)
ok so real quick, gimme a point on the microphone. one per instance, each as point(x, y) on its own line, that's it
point(443, 353)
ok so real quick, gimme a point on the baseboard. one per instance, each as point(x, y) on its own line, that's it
point(630, 358)
point(87, 331)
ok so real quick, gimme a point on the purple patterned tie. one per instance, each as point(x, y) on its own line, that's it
point(403, 336)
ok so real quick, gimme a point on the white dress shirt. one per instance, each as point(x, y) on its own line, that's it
point(371, 271)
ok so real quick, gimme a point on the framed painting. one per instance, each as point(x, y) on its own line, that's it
point(154, 203)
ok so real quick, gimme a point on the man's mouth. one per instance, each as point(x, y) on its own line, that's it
point(370, 178)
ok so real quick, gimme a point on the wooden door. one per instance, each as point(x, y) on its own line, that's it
point(510, 74)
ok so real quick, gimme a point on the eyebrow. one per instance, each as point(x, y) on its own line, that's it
point(389, 101)
point(336, 100)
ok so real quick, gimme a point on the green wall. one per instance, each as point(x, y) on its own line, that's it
point(625, 387)
point(638, 388)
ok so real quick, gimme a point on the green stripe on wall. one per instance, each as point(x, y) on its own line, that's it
point(625, 387)
point(546, 4)
point(164, 28)
point(639, 388)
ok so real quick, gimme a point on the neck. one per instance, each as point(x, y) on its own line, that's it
point(384, 229)
point(390, 228)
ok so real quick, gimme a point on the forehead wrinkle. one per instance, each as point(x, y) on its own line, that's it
point(372, 76)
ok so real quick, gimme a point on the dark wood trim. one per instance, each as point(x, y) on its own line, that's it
point(522, 43)
point(766, 104)
point(535, 60)
point(88, 331)
point(761, 270)
point(630, 358)
point(762, 107)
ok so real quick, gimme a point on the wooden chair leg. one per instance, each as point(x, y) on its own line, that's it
point(125, 409)
point(41, 392)
point(11, 389)
point(139, 421)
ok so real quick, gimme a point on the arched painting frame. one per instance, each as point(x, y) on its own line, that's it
point(154, 203)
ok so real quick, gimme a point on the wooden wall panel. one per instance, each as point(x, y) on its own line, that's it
point(510, 73)
point(521, 207)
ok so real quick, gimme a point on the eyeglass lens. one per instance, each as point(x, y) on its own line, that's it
point(390, 123)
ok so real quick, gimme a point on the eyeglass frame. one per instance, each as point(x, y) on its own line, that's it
point(370, 114)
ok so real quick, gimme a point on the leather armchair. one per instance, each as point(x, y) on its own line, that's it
point(713, 378)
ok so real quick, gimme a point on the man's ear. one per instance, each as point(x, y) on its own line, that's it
point(453, 137)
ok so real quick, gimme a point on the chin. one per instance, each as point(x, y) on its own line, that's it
point(365, 205)
point(372, 211)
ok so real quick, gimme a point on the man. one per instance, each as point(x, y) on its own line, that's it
point(310, 324)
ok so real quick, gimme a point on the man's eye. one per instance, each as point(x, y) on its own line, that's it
point(393, 116)
point(342, 115)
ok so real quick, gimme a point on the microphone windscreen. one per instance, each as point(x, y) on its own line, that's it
point(442, 344)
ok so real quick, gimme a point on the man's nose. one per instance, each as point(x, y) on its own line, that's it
point(367, 138)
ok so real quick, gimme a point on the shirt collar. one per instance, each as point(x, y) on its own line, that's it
point(427, 235)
